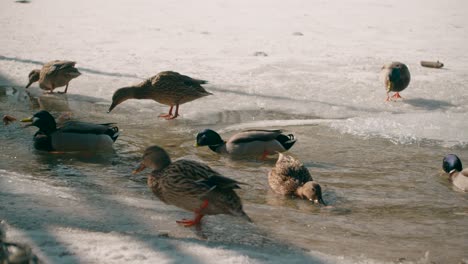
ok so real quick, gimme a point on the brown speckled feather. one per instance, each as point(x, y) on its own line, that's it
point(173, 88)
point(184, 184)
point(288, 175)
point(54, 74)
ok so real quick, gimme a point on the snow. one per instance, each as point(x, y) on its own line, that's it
point(329, 74)
point(331, 71)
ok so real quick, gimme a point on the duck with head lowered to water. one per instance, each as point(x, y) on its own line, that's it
point(54, 74)
point(291, 177)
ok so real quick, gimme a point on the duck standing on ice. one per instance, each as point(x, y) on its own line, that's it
point(396, 77)
point(168, 87)
point(54, 74)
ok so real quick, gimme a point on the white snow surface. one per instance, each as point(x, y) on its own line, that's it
point(329, 72)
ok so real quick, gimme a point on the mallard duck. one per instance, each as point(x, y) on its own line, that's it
point(168, 87)
point(54, 74)
point(396, 78)
point(191, 185)
point(457, 175)
point(247, 143)
point(291, 177)
point(72, 135)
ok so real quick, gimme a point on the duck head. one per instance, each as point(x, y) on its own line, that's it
point(451, 162)
point(43, 120)
point(33, 77)
point(208, 137)
point(311, 191)
point(120, 96)
point(155, 158)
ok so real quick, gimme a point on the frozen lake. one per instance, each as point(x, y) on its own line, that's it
point(379, 163)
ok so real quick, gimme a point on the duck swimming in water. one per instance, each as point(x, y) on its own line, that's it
point(258, 143)
point(291, 177)
point(457, 175)
point(54, 74)
point(396, 78)
point(191, 185)
point(168, 87)
point(72, 135)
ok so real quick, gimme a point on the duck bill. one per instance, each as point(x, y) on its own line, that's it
point(28, 120)
point(140, 168)
point(29, 84)
point(113, 105)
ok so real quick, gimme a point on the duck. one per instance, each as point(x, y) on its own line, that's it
point(396, 77)
point(14, 252)
point(54, 74)
point(167, 87)
point(457, 175)
point(291, 177)
point(71, 135)
point(254, 142)
point(191, 185)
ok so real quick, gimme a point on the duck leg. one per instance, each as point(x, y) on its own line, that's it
point(64, 92)
point(397, 95)
point(176, 113)
point(198, 216)
point(168, 114)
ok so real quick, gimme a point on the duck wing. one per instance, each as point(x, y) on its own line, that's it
point(90, 128)
point(191, 169)
point(221, 182)
point(59, 66)
point(255, 135)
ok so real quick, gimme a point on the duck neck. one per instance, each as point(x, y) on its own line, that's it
point(217, 148)
point(138, 92)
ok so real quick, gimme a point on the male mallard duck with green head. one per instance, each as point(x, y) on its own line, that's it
point(396, 78)
point(457, 175)
point(258, 143)
point(191, 185)
point(54, 74)
point(72, 135)
point(169, 88)
point(291, 177)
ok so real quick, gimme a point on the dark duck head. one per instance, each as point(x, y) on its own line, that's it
point(44, 121)
point(451, 162)
point(209, 137)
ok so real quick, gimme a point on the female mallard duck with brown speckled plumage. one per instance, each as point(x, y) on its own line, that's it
point(168, 87)
point(191, 185)
point(291, 177)
point(54, 74)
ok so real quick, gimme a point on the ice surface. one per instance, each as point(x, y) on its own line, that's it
point(331, 71)
point(328, 75)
